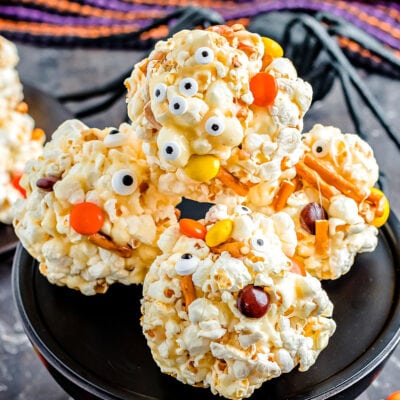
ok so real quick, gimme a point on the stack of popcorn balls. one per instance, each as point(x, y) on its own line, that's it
point(234, 299)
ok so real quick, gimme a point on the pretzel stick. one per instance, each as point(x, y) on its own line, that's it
point(106, 243)
point(321, 236)
point(234, 248)
point(285, 190)
point(332, 178)
point(232, 182)
point(188, 290)
point(313, 179)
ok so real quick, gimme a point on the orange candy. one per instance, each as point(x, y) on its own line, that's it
point(86, 218)
point(264, 89)
point(394, 396)
point(192, 228)
point(15, 182)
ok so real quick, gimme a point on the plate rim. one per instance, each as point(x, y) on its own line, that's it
point(384, 344)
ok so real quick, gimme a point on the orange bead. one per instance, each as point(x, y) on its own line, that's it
point(15, 182)
point(192, 228)
point(394, 396)
point(264, 89)
point(86, 218)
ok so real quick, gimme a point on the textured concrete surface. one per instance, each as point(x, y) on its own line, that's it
point(57, 72)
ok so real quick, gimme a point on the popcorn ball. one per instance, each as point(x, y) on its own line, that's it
point(19, 141)
point(10, 85)
point(220, 111)
point(226, 307)
point(92, 217)
point(332, 201)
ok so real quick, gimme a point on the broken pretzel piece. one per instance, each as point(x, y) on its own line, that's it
point(188, 290)
point(314, 179)
point(232, 182)
point(233, 248)
point(332, 178)
point(285, 190)
point(105, 242)
point(322, 236)
point(148, 113)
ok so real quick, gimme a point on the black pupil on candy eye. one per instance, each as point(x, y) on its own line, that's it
point(260, 242)
point(215, 127)
point(157, 92)
point(169, 150)
point(127, 180)
point(319, 149)
point(188, 85)
point(186, 256)
point(204, 53)
point(177, 106)
point(113, 132)
point(245, 209)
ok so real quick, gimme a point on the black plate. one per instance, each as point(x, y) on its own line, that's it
point(48, 113)
point(94, 345)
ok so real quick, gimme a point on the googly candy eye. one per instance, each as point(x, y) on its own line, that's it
point(215, 126)
point(124, 182)
point(320, 148)
point(204, 55)
point(188, 86)
point(160, 92)
point(258, 243)
point(171, 151)
point(178, 105)
point(187, 264)
point(115, 138)
point(242, 210)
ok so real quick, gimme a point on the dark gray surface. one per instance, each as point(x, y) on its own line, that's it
point(22, 376)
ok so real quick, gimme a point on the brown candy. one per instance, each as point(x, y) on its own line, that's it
point(253, 302)
point(47, 183)
point(311, 213)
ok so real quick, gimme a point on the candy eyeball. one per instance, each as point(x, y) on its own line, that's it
point(215, 126)
point(186, 264)
point(188, 86)
point(258, 243)
point(178, 105)
point(115, 138)
point(320, 148)
point(124, 182)
point(204, 55)
point(242, 210)
point(160, 92)
point(171, 151)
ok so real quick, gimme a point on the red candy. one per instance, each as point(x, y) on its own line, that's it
point(192, 228)
point(15, 182)
point(253, 302)
point(86, 218)
point(264, 89)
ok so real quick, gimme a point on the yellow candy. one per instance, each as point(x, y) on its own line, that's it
point(202, 168)
point(379, 221)
point(219, 233)
point(272, 48)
